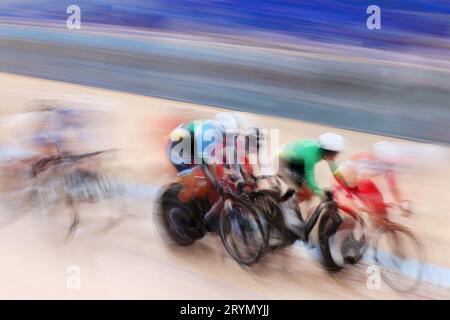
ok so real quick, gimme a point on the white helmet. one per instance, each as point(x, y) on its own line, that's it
point(230, 121)
point(386, 151)
point(331, 142)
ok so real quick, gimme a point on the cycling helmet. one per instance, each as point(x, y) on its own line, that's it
point(331, 142)
point(386, 151)
point(231, 121)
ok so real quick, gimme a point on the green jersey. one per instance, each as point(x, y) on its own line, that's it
point(307, 153)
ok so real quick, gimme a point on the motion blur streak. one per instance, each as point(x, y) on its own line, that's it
point(137, 69)
point(317, 62)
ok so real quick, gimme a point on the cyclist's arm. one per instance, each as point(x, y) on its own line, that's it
point(393, 186)
point(337, 174)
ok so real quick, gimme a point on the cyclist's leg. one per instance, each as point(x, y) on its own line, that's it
point(293, 174)
point(372, 198)
point(296, 174)
point(304, 193)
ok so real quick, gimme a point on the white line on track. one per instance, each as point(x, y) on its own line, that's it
point(432, 273)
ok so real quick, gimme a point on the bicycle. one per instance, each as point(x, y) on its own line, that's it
point(198, 197)
point(267, 202)
point(59, 179)
point(329, 217)
point(395, 249)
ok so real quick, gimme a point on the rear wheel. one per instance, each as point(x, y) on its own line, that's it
point(241, 232)
point(328, 225)
point(181, 224)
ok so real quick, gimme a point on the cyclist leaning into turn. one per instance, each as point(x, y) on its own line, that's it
point(208, 142)
point(297, 162)
point(360, 171)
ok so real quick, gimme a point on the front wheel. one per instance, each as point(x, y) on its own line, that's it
point(274, 226)
point(241, 232)
point(399, 257)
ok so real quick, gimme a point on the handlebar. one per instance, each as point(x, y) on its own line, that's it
point(58, 159)
point(77, 157)
point(239, 184)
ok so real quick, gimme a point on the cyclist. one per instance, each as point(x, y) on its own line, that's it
point(207, 143)
point(297, 161)
point(203, 141)
point(59, 131)
point(253, 166)
point(362, 168)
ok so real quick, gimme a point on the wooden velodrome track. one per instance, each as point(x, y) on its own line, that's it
point(131, 261)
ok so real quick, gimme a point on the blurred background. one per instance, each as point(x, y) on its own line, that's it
point(315, 61)
point(143, 67)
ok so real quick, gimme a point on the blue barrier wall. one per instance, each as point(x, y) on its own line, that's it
point(340, 21)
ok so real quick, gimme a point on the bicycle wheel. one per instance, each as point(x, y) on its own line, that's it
point(399, 256)
point(273, 224)
point(181, 224)
point(241, 232)
point(348, 244)
point(328, 225)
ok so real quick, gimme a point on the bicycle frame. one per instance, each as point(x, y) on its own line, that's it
point(348, 210)
point(68, 160)
point(200, 184)
point(383, 224)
